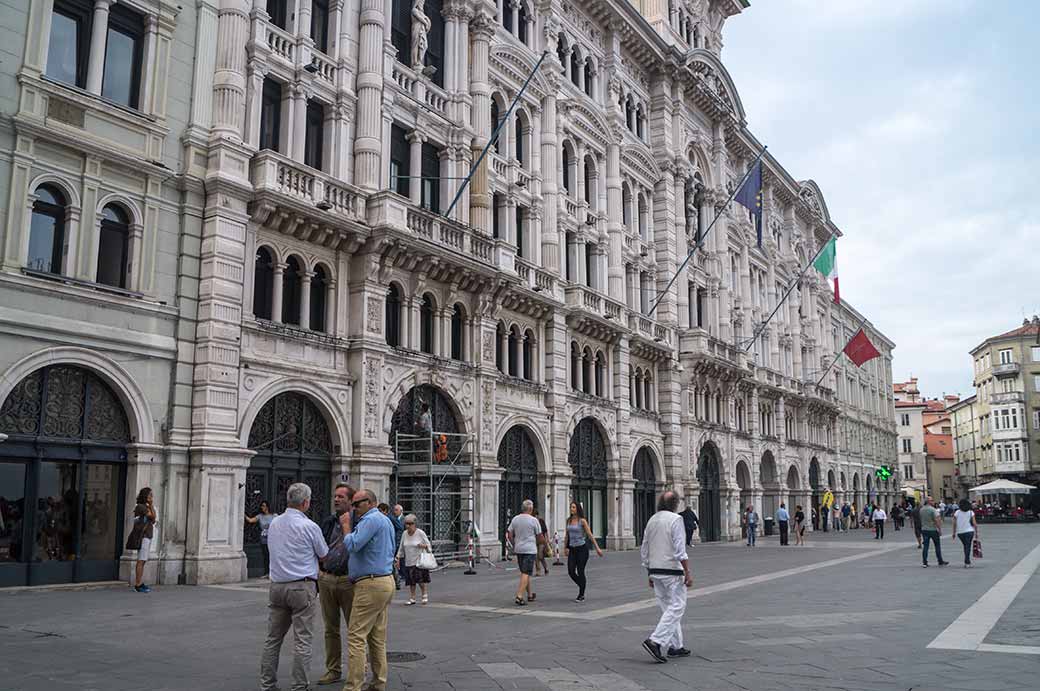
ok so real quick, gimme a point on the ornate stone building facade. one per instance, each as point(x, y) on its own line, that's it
point(292, 286)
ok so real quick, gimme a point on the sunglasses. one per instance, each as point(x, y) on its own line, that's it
point(359, 501)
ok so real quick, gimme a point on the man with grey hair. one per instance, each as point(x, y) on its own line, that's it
point(525, 532)
point(296, 544)
point(664, 557)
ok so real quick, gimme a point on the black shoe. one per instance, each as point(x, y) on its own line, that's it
point(925, 565)
point(531, 597)
point(655, 650)
point(678, 652)
point(580, 598)
point(519, 602)
point(943, 563)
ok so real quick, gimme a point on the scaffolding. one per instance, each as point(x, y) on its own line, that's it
point(436, 482)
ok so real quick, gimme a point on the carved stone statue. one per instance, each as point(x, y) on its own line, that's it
point(420, 31)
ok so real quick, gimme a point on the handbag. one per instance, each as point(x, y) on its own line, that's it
point(133, 540)
point(426, 561)
point(976, 549)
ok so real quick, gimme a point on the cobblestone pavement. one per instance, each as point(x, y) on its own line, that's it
point(845, 612)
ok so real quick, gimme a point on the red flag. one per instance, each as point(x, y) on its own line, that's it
point(860, 349)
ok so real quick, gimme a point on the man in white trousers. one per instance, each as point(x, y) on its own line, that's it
point(664, 558)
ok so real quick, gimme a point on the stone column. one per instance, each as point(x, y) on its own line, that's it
point(415, 142)
point(367, 146)
point(482, 29)
point(254, 91)
point(615, 268)
point(276, 292)
point(229, 81)
point(98, 42)
point(305, 299)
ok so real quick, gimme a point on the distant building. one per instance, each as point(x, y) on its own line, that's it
point(967, 439)
point(910, 429)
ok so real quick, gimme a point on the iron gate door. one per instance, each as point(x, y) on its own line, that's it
point(644, 495)
point(588, 460)
point(517, 457)
point(709, 499)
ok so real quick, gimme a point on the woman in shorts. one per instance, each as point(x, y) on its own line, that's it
point(144, 513)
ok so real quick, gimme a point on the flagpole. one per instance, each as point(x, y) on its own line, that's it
point(704, 236)
point(842, 351)
point(762, 327)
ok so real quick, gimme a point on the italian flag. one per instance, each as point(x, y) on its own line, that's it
point(827, 264)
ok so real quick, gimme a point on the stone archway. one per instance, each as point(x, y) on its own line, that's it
point(644, 495)
point(587, 457)
point(746, 499)
point(518, 459)
point(770, 482)
point(709, 477)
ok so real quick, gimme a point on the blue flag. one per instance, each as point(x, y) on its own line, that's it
point(750, 195)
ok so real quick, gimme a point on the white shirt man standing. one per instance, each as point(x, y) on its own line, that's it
point(296, 544)
point(664, 557)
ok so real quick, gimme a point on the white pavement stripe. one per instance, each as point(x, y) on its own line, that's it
point(503, 670)
point(796, 621)
point(804, 640)
point(971, 628)
point(1002, 648)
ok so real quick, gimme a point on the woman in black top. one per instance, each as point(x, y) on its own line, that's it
point(799, 525)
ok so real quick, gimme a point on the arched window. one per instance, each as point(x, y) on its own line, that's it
point(494, 121)
point(575, 366)
point(638, 398)
point(561, 48)
point(521, 23)
point(590, 182)
point(575, 68)
point(586, 370)
point(500, 356)
point(640, 118)
point(600, 369)
point(528, 355)
point(457, 323)
point(588, 77)
point(626, 206)
point(263, 283)
point(648, 391)
point(291, 292)
point(113, 246)
point(393, 316)
point(514, 345)
point(628, 114)
point(426, 324)
point(319, 292)
point(566, 177)
point(47, 231)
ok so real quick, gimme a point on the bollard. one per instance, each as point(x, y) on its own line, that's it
point(556, 549)
point(469, 548)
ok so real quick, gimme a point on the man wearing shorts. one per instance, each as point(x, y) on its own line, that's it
point(523, 532)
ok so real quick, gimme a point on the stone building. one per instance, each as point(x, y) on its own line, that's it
point(238, 252)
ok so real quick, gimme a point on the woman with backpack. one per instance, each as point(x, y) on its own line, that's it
point(141, 535)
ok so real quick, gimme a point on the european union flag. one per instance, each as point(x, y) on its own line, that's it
point(750, 195)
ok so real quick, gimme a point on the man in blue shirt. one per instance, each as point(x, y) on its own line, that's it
point(782, 518)
point(372, 548)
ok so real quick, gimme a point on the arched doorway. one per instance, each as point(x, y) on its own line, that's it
point(644, 496)
point(588, 460)
point(746, 497)
point(519, 461)
point(292, 443)
point(62, 478)
point(709, 500)
point(814, 487)
point(857, 501)
point(770, 484)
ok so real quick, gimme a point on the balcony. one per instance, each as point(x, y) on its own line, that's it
point(1007, 397)
point(420, 88)
point(443, 231)
point(645, 326)
point(590, 300)
point(1006, 369)
point(535, 278)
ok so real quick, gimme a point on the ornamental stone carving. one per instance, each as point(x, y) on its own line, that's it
point(371, 369)
point(420, 30)
point(373, 323)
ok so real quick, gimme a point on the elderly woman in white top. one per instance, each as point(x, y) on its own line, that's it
point(413, 543)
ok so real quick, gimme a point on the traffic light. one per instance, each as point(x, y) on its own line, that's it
point(883, 473)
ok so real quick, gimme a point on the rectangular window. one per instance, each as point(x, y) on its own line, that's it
point(1036, 420)
point(908, 472)
point(905, 419)
point(276, 11)
point(498, 208)
point(1036, 383)
point(401, 30)
point(320, 24)
point(67, 52)
point(399, 161)
point(431, 173)
point(906, 446)
point(1005, 357)
point(271, 115)
point(314, 141)
point(1035, 353)
point(122, 77)
point(520, 216)
point(435, 48)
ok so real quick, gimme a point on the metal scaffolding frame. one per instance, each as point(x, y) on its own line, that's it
point(436, 481)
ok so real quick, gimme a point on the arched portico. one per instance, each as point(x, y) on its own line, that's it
point(518, 459)
point(587, 457)
point(770, 483)
point(710, 499)
point(644, 495)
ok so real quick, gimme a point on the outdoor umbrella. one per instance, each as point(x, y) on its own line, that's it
point(1002, 487)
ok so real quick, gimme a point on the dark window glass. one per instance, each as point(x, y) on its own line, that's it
point(435, 51)
point(319, 290)
point(519, 231)
point(431, 172)
point(271, 115)
point(520, 134)
point(527, 356)
point(399, 160)
point(426, 325)
point(393, 316)
point(315, 135)
point(401, 29)
point(566, 171)
point(507, 16)
point(320, 24)
point(494, 122)
point(590, 190)
point(113, 247)
point(291, 292)
point(575, 366)
point(276, 10)
point(575, 68)
point(588, 78)
point(263, 282)
point(500, 335)
point(567, 258)
point(599, 374)
point(586, 371)
point(521, 23)
point(588, 265)
point(67, 52)
point(456, 333)
point(12, 538)
point(498, 208)
point(514, 339)
point(122, 79)
point(47, 231)
point(701, 296)
point(561, 49)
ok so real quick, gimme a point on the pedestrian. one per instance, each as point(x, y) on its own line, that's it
point(576, 547)
point(144, 531)
point(664, 557)
point(931, 529)
point(263, 518)
point(371, 549)
point(335, 590)
point(815, 517)
point(878, 515)
point(543, 547)
point(296, 545)
point(750, 525)
point(799, 525)
point(782, 520)
point(845, 513)
point(915, 520)
point(522, 533)
point(965, 528)
point(413, 543)
point(690, 522)
point(897, 516)
point(835, 517)
point(397, 518)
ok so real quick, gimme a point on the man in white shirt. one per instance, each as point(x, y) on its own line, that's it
point(879, 516)
point(664, 557)
point(523, 533)
point(296, 544)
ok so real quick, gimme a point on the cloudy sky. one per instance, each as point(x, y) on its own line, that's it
point(920, 121)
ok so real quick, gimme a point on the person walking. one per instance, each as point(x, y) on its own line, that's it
point(931, 529)
point(264, 517)
point(371, 548)
point(144, 529)
point(335, 591)
point(397, 518)
point(750, 525)
point(799, 525)
point(663, 555)
point(522, 533)
point(782, 520)
point(296, 545)
point(878, 515)
point(690, 521)
point(413, 543)
point(965, 528)
point(576, 548)
point(543, 547)
point(846, 511)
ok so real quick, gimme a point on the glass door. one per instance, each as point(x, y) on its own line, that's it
point(13, 526)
